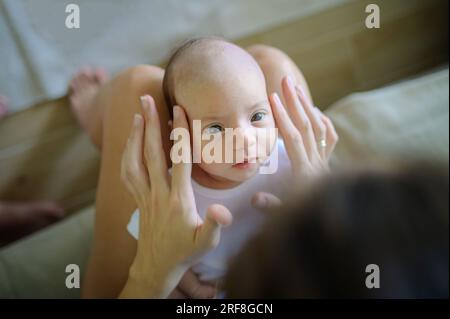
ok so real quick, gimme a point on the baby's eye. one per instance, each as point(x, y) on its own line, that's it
point(214, 129)
point(259, 116)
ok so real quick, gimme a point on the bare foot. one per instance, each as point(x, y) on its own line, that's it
point(82, 93)
point(18, 219)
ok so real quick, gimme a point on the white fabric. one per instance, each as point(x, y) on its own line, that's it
point(246, 219)
point(38, 54)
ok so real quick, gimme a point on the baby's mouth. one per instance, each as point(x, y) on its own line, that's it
point(246, 162)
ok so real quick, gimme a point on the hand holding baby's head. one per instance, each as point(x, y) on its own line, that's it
point(223, 86)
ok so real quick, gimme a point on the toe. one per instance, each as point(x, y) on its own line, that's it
point(49, 209)
point(77, 80)
point(72, 85)
point(100, 75)
point(87, 72)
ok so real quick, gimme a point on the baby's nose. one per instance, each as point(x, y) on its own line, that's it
point(246, 139)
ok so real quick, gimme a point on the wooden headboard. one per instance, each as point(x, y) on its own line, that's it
point(339, 55)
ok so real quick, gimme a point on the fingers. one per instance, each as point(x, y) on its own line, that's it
point(217, 216)
point(266, 201)
point(177, 294)
point(181, 166)
point(291, 136)
point(153, 149)
point(192, 287)
point(300, 117)
point(332, 136)
point(318, 126)
point(133, 172)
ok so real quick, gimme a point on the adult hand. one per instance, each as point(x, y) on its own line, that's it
point(191, 287)
point(172, 236)
point(309, 137)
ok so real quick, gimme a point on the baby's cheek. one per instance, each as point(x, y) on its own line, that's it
point(216, 169)
point(213, 149)
point(266, 141)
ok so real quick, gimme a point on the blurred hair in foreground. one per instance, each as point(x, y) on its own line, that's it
point(320, 247)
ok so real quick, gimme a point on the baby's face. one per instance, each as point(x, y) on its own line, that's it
point(232, 94)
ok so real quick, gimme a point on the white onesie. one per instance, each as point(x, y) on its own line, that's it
point(246, 219)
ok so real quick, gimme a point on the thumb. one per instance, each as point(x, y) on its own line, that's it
point(266, 201)
point(217, 216)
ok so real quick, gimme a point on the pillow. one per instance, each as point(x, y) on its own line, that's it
point(407, 120)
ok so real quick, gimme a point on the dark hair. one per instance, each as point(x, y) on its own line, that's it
point(320, 248)
point(168, 80)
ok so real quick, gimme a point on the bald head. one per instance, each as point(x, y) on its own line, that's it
point(210, 68)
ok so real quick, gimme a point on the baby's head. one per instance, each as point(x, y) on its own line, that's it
point(221, 85)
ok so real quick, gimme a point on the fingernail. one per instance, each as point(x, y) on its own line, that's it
point(317, 111)
point(262, 201)
point(302, 92)
point(290, 82)
point(265, 201)
point(137, 120)
point(176, 112)
point(276, 98)
point(145, 106)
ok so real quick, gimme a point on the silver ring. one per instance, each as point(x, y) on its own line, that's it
point(323, 143)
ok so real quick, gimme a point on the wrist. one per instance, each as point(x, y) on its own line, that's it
point(155, 282)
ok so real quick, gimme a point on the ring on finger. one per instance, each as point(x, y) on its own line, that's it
point(322, 143)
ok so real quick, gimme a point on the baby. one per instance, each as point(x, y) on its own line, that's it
point(222, 86)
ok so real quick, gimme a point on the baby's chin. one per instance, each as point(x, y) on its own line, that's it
point(236, 173)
